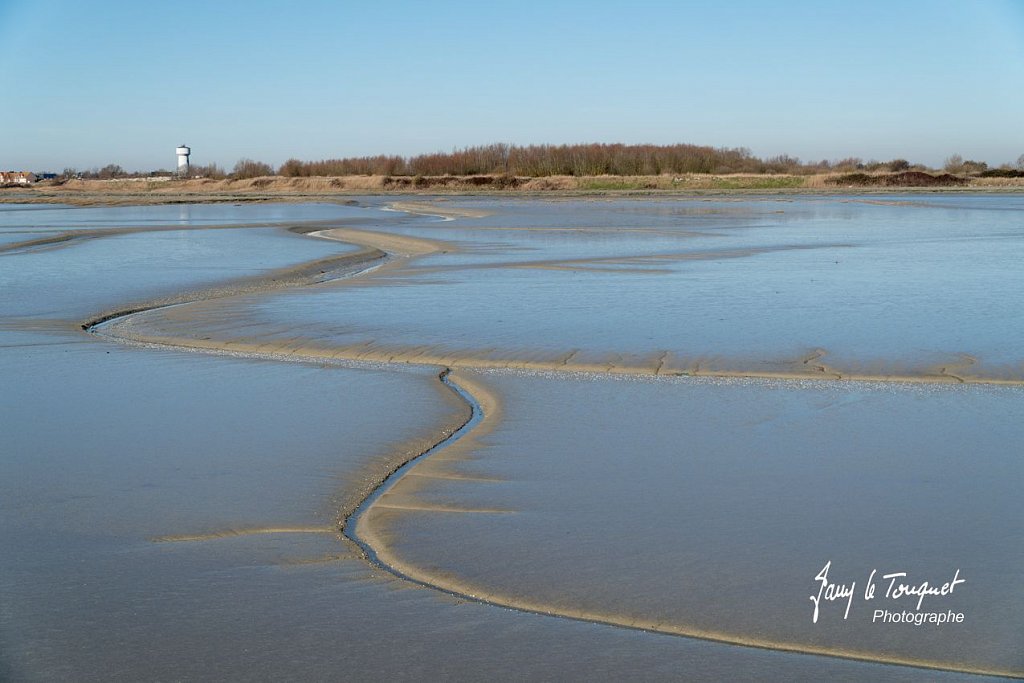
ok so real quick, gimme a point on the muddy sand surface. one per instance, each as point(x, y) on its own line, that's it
point(697, 494)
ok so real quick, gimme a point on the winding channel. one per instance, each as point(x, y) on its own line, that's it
point(380, 250)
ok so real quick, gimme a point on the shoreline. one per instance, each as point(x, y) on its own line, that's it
point(343, 189)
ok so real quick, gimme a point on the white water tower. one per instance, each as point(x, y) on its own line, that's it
point(183, 153)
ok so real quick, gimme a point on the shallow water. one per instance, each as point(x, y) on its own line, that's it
point(172, 515)
point(37, 217)
point(76, 279)
point(861, 288)
point(132, 433)
point(709, 506)
point(106, 448)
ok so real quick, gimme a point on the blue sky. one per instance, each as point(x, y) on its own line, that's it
point(125, 82)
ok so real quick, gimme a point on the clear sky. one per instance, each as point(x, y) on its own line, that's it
point(87, 83)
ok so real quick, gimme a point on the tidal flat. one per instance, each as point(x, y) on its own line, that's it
point(839, 287)
point(589, 492)
point(659, 419)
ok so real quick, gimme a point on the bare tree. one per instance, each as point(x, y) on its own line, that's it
point(971, 166)
point(111, 171)
point(954, 163)
point(292, 168)
point(247, 168)
point(209, 171)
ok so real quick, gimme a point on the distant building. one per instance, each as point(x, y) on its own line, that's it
point(183, 151)
point(17, 178)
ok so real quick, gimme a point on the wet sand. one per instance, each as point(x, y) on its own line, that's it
point(212, 318)
point(832, 301)
point(561, 455)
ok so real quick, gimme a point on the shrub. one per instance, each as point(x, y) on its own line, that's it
point(247, 168)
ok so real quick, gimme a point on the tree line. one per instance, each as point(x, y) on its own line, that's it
point(606, 159)
point(552, 160)
point(560, 160)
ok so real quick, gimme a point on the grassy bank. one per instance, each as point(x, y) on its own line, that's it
point(284, 189)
